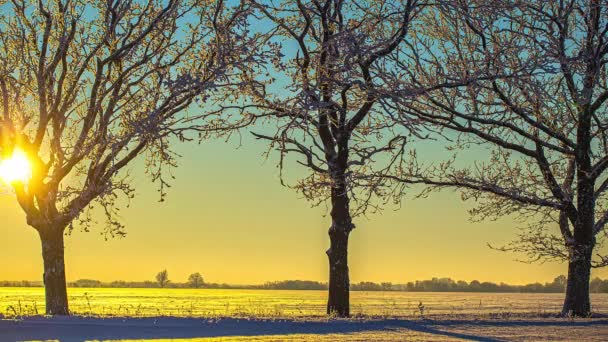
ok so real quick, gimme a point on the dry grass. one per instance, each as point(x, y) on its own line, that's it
point(206, 303)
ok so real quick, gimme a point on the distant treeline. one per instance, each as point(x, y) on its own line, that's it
point(277, 285)
point(449, 285)
point(558, 285)
point(293, 285)
point(144, 284)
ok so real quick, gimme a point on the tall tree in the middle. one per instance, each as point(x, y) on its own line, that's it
point(324, 103)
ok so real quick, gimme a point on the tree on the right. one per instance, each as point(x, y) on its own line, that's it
point(519, 90)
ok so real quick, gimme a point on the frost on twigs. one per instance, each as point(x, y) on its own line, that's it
point(87, 87)
point(519, 90)
point(321, 110)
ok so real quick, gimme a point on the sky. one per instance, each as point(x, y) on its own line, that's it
point(228, 217)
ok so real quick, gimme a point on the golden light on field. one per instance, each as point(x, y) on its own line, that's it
point(16, 168)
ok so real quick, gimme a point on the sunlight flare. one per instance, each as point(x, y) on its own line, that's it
point(16, 168)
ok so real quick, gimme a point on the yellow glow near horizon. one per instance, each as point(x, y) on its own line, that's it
point(16, 168)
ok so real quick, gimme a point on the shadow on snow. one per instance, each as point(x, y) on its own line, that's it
point(70, 329)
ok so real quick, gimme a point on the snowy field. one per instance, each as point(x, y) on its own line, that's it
point(234, 329)
point(268, 315)
point(272, 304)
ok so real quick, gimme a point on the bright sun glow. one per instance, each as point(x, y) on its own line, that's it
point(16, 168)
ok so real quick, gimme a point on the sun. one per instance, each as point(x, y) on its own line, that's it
point(16, 168)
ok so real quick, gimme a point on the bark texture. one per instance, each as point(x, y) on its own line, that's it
point(54, 272)
point(577, 301)
point(339, 283)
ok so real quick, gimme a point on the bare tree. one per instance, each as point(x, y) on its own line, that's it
point(523, 83)
point(195, 280)
point(323, 100)
point(162, 278)
point(86, 87)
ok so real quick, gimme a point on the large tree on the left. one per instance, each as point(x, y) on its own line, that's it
point(87, 86)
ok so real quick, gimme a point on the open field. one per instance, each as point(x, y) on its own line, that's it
point(273, 315)
point(283, 303)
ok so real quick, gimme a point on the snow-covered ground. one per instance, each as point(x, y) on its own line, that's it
point(68, 329)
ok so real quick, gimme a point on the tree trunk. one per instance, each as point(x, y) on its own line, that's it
point(580, 248)
point(577, 301)
point(54, 272)
point(338, 302)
